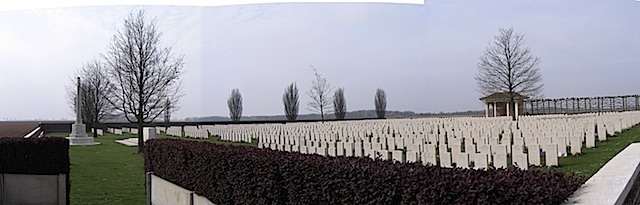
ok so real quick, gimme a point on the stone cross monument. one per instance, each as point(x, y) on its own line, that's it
point(78, 134)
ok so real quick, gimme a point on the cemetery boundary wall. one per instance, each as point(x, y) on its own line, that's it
point(614, 182)
point(65, 126)
point(33, 189)
point(163, 192)
point(34, 171)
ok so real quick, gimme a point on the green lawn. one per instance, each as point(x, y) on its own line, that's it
point(593, 159)
point(111, 173)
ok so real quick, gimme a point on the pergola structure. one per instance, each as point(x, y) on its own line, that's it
point(501, 103)
point(577, 105)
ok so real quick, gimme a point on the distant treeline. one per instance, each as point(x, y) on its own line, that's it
point(359, 114)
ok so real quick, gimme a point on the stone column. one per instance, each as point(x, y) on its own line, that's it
point(486, 110)
point(78, 134)
point(495, 110)
point(517, 112)
point(508, 108)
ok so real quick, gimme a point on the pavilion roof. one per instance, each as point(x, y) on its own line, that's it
point(503, 97)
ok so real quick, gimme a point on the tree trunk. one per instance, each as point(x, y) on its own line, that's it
point(140, 137)
point(322, 113)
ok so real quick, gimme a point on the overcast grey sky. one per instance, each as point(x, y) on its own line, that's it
point(423, 56)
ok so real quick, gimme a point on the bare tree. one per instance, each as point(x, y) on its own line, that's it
point(508, 66)
point(168, 109)
point(339, 104)
point(235, 105)
point(380, 102)
point(96, 91)
point(146, 74)
point(319, 93)
point(291, 102)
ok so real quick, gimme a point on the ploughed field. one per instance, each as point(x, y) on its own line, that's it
point(16, 129)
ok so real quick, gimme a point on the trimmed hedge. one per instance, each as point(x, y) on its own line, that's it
point(49, 155)
point(246, 175)
point(46, 156)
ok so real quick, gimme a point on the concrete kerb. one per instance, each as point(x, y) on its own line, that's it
point(161, 191)
point(612, 183)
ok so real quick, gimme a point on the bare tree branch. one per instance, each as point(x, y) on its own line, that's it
point(145, 74)
point(508, 66)
point(235, 105)
point(339, 104)
point(380, 102)
point(96, 91)
point(319, 93)
point(291, 102)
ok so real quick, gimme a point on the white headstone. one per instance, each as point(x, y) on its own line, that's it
point(397, 155)
point(412, 156)
point(576, 145)
point(429, 158)
point(445, 159)
point(533, 151)
point(148, 133)
point(461, 159)
point(481, 161)
point(520, 160)
point(500, 160)
point(551, 156)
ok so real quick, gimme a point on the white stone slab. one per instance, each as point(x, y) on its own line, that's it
point(602, 133)
point(551, 155)
point(500, 161)
point(590, 140)
point(131, 142)
point(331, 151)
point(470, 148)
point(612, 182)
point(517, 149)
point(481, 161)
point(533, 151)
point(412, 156)
point(340, 149)
point(520, 160)
point(445, 159)
point(576, 145)
point(429, 158)
point(499, 149)
point(562, 146)
point(460, 159)
point(396, 155)
point(357, 149)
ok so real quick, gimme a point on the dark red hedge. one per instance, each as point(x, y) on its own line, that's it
point(49, 155)
point(245, 175)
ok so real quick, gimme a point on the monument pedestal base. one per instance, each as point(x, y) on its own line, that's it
point(79, 136)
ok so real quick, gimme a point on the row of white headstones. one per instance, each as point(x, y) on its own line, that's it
point(462, 142)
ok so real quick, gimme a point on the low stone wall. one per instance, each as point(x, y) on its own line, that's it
point(634, 194)
point(163, 192)
point(613, 183)
point(33, 189)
